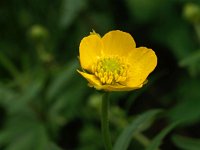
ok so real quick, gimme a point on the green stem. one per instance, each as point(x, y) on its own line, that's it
point(105, 121)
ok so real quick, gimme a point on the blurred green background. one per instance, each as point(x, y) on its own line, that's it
point(46, 105)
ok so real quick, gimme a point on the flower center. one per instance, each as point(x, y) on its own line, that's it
point(110, 70)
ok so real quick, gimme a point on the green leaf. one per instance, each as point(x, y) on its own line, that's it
point(187, 110)
point(41, 138)
point(154, 145)
point(21, 142)
point(67, 104)
point(29, 94)
point(191, 59)
point(62, 79)
point(9, 65)
point(70, 10)
point(16, 127)
point(53, 146)
point(186, 143)
point(7, 95)
point(191, 62)
point(124, 139)
point(177, 38)
point(149, 9)
point(22, 138)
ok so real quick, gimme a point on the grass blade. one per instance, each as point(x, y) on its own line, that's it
point(124, 139)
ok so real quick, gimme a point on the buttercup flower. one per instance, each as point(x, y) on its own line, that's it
point(113, 63)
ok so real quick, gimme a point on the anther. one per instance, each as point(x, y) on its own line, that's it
point(110, 70)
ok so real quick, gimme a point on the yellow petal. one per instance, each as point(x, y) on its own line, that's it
point(119, 87)
point(142, 62)
point(92, 79)
point(118, 43)
point(90, 49)
point(94, 82)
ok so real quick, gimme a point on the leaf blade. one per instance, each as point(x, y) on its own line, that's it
point(154, 145)
point(186, 143)
point(124, 139)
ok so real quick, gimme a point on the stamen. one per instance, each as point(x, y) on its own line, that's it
point(110, 70)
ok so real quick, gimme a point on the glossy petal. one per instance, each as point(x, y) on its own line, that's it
point(119, 87)
point(90, 49)
point(118, 43)
point(94, 82)
point(142, 62)
point(92, 79)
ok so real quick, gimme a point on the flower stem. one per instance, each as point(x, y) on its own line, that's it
point(105, 122)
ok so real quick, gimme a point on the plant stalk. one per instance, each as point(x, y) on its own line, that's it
point(105, 122)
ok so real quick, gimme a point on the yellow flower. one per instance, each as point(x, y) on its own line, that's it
point(113, 63)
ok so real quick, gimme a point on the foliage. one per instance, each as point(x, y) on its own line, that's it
point(46, 105)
